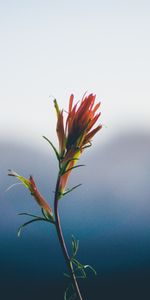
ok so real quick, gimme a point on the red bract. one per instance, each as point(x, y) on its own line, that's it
point(31, 185)
point(39, 198)
point(77, 132)
point(80, 121)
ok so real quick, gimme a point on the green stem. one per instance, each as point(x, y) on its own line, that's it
point(63, 244)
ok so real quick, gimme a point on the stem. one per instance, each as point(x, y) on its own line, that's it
point(63, 244)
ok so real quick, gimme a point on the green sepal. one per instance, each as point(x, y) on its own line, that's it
point(55, 150)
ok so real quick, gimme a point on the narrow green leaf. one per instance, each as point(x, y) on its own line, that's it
point(27, 214)
point(69, 291)
point(66, 275)
point(27, 223)
point(81, 270)
point(73, 297)
point(70, 190)
point(65, 164)
point(78, 166)
point(12, 185)
point(76, 263)
point(37, 217)
point(65, 295)
point(75, 246)
point(80, 267)
point(89, 267)
point(55, 150)
point(47, 216)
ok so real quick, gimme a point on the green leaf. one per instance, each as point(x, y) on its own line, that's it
point(66, 275)
point(27, 223)
point(47, 219)
point(78, 166)
point(65, 164)
point(47, 216)
point(75, 246)
point(69, 293)
point(27, 214)
point(70, 190)
point(89, 267)
point(79, 267)
point(73, 297)
point(12, 185)
point(65, 295)
point(55, 150)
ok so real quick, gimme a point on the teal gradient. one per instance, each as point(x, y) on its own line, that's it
point(109, 214)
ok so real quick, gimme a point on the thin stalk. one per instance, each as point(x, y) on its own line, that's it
point(63, 244)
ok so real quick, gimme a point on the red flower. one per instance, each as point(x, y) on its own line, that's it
point(78, 131)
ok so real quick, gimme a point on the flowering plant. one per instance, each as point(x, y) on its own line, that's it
point(74, 136)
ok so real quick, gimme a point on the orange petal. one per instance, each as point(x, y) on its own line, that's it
point(96, 107)
point(70, 119)
point(93, 121)
point(91, 134)
point(71, 102)
point(85, 106)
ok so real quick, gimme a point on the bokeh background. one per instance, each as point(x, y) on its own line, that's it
point(51, 49)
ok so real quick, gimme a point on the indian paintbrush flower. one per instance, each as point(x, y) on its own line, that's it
point(76, 134)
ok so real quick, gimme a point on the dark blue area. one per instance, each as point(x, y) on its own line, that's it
point(110, 215)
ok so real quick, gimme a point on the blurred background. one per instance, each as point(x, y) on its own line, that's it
point(52, 49)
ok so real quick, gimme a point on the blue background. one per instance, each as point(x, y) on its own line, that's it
point(109, 214)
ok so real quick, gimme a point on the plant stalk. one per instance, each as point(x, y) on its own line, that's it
point(63, 244)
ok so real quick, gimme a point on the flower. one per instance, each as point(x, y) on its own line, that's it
point(31, 185)
point(77, 132)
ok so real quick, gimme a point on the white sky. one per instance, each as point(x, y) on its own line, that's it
point(59, 47)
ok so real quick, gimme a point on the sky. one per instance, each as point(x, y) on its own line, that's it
point(54, 48)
